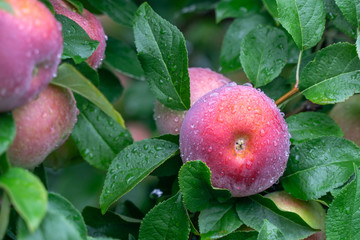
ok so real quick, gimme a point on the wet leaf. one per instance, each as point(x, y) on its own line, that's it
point(236, 8)
point(318, 166)
point(350, 9)
point(7, 131)
point(163, 56)
point(196, 188)
point(309, 125)
point(333, 76)
point(270, 232)
point(167, 220)
point(263, 54)
point(132, 165)
point(304, 20)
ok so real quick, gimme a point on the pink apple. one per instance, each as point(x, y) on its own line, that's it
point(242, 137)
point(89, 23)
point(202, 81)
point(30, 49)
point(42, 125)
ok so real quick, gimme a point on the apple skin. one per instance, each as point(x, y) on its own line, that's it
point(241, 136)
point(347, 116)
point(42, 125)
point(310, 211)
point(202, 81)
point(30, 50)
point(90, 24)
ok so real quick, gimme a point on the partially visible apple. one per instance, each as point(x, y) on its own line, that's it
point(347, 115)
point(241, 136)
point(138, 130)
point(310, 211)
point(202, 81)
point(42, 125)
point(89, 23)
point(30, 49)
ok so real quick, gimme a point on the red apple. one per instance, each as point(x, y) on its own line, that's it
point(42, 125)
point(30, 49)
point(89, 23)
point(242, 137)
point(202, 81)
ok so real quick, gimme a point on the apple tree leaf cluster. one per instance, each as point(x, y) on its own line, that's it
point(110, 183)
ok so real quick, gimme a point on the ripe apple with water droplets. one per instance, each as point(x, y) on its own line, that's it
point(42, 125)
point(89, 23)
point(30, 49)
point(242, 137)
point(202, 81)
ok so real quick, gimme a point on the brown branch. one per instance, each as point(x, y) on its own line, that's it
point(287, 95)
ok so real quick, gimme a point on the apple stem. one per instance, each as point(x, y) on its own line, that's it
point(296, 87)
point(287, 95)
point(298, 70)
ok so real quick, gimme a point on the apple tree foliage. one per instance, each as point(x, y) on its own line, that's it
point(116, 188)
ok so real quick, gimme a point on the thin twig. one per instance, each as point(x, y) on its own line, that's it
point(296, 87)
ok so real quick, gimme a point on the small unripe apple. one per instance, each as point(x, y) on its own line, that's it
point(347, 115)
point(310, 211)
point(42, 125)
point(30, 49)
point(202, 81)
point(89, 23)
point(241, 136)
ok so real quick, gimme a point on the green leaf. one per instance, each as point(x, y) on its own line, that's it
point(277, 88)
point(333, 76)
point(132, 165)
point(337, 18)
point(97, 136)
point(235, 8)
point(123, 58)
point(77, 4)
point(167, 220)
point(253, 210)
point(263, 54)
point(271, 6)
point(54, 227)
point(77, 43)
point(270, 232)
point(121, 11)
point(58, 204)
point(4, 5)
point(5, 209)
point(304, 20)
point(350, 9)
point(309, 125)
point(230, 49)
point(218, 220)
point(62, 222)
point(27, 194)
point(342, 220)
point(110, 85)
point(69, 77)
point(7, 131)
point(163, 55)
point(241, 235)
point(88, 72)
point(110, 224)
point(318, 166)
point(358, 44)
point(196, 188)
point(101, 238)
